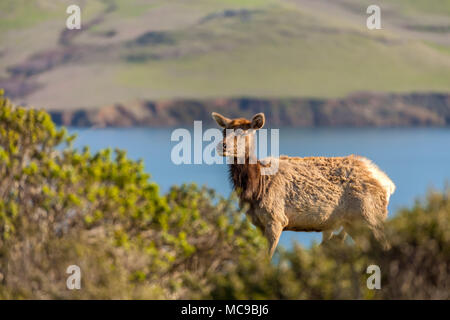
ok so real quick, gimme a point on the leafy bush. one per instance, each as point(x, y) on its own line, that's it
point(60, 206)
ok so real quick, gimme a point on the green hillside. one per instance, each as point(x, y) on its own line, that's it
point(219, 48)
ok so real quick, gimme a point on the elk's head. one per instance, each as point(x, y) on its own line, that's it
point(238, 135)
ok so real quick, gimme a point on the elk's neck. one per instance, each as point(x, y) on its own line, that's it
point(246, 179)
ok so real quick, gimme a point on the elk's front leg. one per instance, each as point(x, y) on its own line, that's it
point(273, 232)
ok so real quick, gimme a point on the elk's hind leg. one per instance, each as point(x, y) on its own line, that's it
point(374, 221)
point(326, 236)
point(378, 233)
point(370, 213)
point(359, 232)
point(342, 235)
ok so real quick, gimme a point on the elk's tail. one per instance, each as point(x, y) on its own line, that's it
point(381, 177)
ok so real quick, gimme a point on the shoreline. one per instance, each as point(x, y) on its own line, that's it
point(356, 110)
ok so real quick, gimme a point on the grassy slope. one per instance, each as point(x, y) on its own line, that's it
point(427, 6)
point(283, 49)
point(311, 63)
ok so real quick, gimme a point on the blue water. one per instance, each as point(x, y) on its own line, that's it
point(415, 159)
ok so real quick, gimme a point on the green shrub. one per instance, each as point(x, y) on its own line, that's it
point(60, 206)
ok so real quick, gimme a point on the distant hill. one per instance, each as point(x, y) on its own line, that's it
point(210, 49)
point(358, 110)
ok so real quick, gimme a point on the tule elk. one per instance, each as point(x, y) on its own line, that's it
point(305, 194)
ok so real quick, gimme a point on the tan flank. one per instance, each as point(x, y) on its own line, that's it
point(305, 194)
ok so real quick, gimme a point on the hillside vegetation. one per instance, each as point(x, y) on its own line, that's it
point(101, 211)
point(219, 48)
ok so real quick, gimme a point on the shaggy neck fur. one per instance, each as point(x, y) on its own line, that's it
point(247, 180)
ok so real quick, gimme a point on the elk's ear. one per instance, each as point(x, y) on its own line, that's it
point(220, 119)
point(258, 121)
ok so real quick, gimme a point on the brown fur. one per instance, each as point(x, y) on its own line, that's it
point(309, 194)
